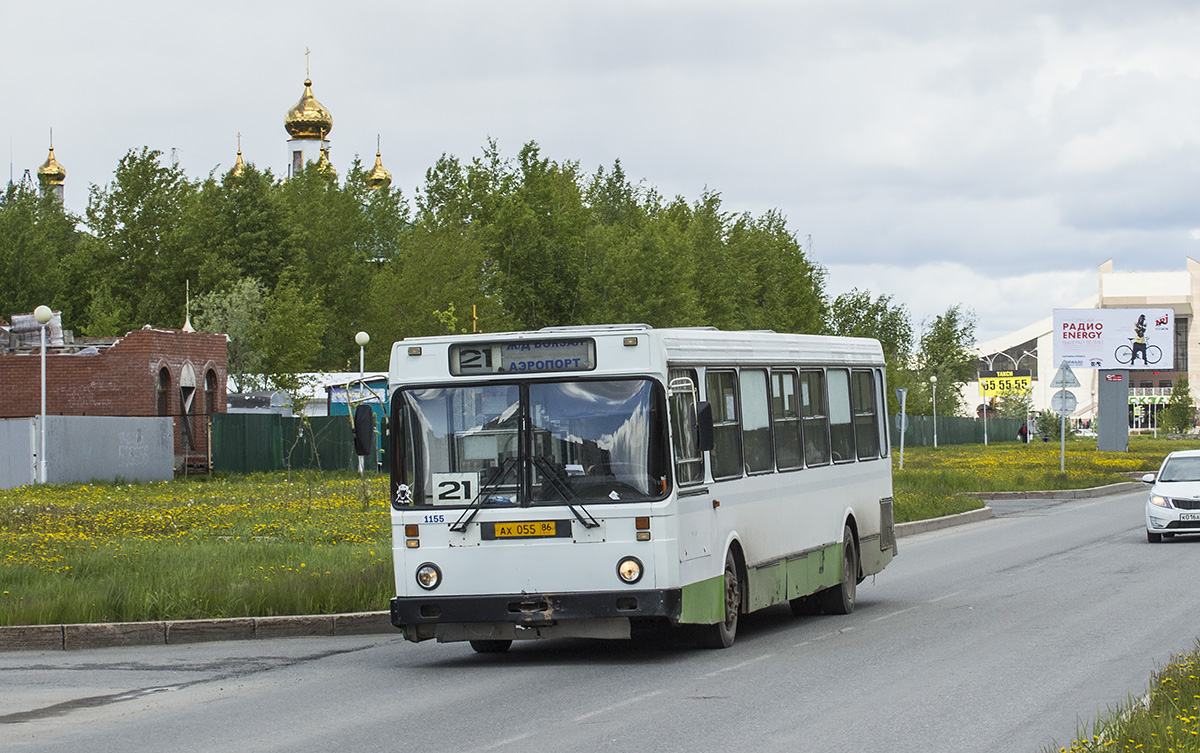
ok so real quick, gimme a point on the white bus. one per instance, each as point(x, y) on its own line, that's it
point(587, 481)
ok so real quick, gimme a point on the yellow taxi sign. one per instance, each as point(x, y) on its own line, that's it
point(995, 383)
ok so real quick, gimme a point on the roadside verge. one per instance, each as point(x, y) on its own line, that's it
point(173, 632)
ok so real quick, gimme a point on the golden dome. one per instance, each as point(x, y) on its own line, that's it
point(52, 173)
point(324, 165)
point(239, 166)
point(380, 175)
point(308, 118)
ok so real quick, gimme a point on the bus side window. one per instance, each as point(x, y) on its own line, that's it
point(866, 419)
point(814, 418)
point(841, 425)
point(756, 422)
point(884, 443)
point(689, 459)
point(785, 415)
point(726, 453)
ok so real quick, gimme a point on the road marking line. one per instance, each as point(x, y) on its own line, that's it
point(739, 666)
point(894, 614)
point(615, 706)
point(823, 637)
point(943, 598)
point(508, 741)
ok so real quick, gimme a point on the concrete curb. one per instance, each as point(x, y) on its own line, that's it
point(1096, 491)
point(172, 632)
point(933, 524)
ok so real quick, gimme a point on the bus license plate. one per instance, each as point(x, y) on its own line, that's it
point(536, 529)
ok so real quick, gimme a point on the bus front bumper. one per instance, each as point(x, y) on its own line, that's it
point(603, 614)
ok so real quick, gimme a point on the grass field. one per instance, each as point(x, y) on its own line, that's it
point(193, 548)
point(932, 481)
point(265, 545)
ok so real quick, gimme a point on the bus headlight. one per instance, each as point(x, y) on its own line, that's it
point(429, 576)
point(629, 569)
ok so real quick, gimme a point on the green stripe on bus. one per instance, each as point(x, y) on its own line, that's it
point(704, 602)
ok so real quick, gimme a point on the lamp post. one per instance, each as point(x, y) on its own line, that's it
point(43, 314)
point(362, 338)
point(991, 360)
point(933, 382)
point(1029, 404)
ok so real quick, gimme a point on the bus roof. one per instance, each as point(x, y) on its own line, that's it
point(702, 345)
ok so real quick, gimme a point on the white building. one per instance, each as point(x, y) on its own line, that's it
point(1032, 347)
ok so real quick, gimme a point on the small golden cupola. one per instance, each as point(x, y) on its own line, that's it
point(380, 176)
point(323, 163)
point(52, 174)
point(308, 118)
point(239, 166)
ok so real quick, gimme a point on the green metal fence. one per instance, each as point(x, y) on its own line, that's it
point(249, 443)
point(955, 430)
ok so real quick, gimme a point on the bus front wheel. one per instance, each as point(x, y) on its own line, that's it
point(840, 598)
point(722, 634)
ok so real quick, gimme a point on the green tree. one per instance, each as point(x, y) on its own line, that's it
point(858, 314)
point(236, 228)
point(136, 254)
point(237, 313)
point(534, 245)
point(1180, 414)
point(1014, 404)
point(37, 238)
point(945, 351)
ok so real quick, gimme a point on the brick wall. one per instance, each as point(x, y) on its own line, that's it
point(123, 380)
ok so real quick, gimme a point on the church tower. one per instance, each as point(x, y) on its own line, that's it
point(52, 175)
point(308, 123)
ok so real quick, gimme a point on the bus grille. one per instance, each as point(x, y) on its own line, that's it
point(887, 525)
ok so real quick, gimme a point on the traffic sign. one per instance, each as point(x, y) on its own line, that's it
point(1063, 403)
point(1065, 377)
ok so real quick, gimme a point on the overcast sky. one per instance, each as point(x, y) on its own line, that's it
point(938, 151)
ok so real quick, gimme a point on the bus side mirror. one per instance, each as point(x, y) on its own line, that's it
point(704, 426)
point(364, 430)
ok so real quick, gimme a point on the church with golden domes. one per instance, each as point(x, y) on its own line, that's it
point(308, 124)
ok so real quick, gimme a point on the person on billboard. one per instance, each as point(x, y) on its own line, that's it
point(1139, 342)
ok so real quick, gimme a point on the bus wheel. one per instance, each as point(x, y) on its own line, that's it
point(722, 634)
point(490, 647)
point(840, 598)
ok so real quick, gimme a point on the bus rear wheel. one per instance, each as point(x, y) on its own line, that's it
point(722, 634)
point(490, 647)
point(840, 598)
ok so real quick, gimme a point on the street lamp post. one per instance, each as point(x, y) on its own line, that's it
point(362, 338)
point(933, 382)
point(43, 315)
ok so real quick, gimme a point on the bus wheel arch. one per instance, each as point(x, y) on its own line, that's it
point(840, 599)
point(722, 634)
point(852, 525)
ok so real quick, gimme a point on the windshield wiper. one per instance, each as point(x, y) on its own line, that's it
point(468, 514)
point(565, 491)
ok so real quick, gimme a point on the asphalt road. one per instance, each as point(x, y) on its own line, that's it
point(995, 636)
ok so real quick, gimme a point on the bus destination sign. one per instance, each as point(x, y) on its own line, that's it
point(526, 357)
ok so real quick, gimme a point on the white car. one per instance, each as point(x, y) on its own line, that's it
point(1174, 503)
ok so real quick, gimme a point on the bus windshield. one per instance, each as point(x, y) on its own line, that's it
point(534, 443)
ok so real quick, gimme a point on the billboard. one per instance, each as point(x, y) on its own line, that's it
point(1115, 338)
